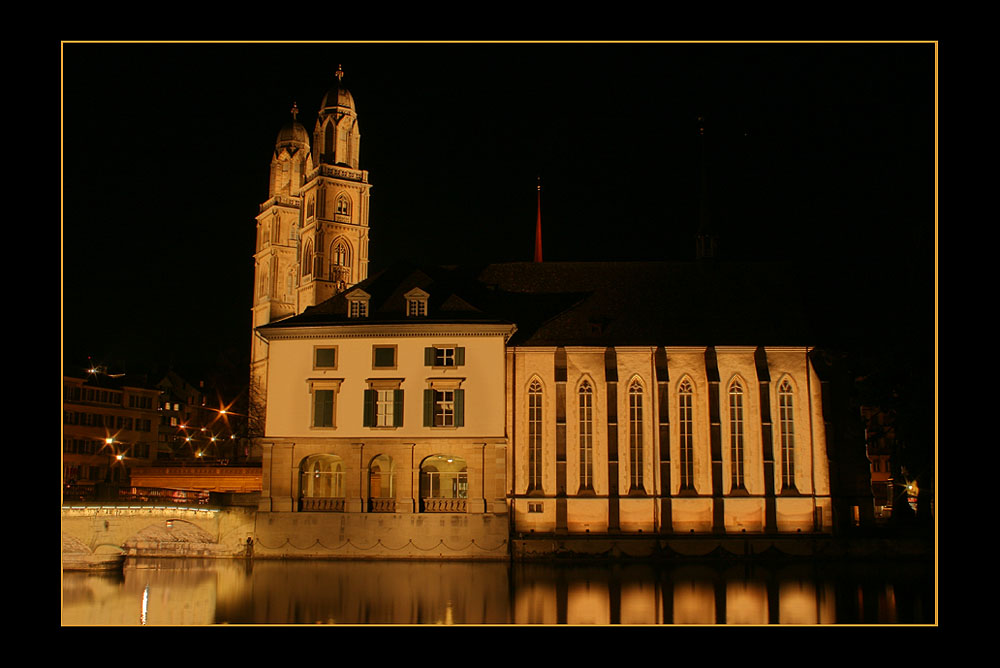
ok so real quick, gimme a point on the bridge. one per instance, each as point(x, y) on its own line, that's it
point(155, 529)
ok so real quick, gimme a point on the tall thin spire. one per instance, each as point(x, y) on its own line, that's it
point(538, 225)
point(705, 241)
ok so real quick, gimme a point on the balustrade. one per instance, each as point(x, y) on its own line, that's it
point(382, 505)
point(438, 505)
point(322, 504)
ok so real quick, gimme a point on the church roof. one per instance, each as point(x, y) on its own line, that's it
point(651, 303)
point(593, 303)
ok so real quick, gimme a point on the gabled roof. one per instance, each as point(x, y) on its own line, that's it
point(593, 303)
point(653, 303)
point(387, 289)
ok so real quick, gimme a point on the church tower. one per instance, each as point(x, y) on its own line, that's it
point(312, 231)
point(334, 239)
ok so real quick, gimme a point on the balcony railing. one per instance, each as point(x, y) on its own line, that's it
point(381, 505)
point(322, 504)
point(112, 493)
point(437, 505)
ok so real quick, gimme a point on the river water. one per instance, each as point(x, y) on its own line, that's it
point(185, 592)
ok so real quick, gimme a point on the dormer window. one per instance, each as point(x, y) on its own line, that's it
point(416, 303)
point(357, 303)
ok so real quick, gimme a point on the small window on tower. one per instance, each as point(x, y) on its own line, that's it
point(343, 205)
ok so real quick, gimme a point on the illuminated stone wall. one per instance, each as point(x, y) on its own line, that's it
point(618, 500)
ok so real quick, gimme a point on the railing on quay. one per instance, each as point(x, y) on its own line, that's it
point(105, 492)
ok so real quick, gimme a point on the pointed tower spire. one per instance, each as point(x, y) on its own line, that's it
point(538, 225)
point(705, 240)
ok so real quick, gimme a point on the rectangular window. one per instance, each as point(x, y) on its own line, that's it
point(322, 408)
point(383, 405)
point(325, 358)
point(416, 307)
point(444, 408)
point(444, 356)
point(358, 309)
point(384, 357)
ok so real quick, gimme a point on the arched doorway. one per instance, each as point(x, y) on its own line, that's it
point(322, 483)
point(444, 484)
point(382, 485)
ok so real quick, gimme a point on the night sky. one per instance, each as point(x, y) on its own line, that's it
point(817, 153)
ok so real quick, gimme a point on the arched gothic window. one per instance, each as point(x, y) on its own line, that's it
point(635, 394)
point(586, 403)
point(786, 425)
point(307, 259)
point(290, 285)
point(736, 434)
point(340, 256)
point(343, 205)
point(685, 404)
point(535, 436)
point(263, 283)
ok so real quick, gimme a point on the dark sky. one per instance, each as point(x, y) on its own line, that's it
point(818, 153)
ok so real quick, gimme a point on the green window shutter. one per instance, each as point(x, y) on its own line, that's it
point(429, 356)
point(397, 408)
point(369, 416)
point(428, 408)
point(459, 408)
point(323, 408)
point(459, 356)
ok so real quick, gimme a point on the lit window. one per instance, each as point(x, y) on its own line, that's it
point(787, 427)
point(444, 408)
point(535, 436)
point(635, 434)
point(736, 434)
point(383, 404)
point(686, 435)
point(586, 397)
point(444, 403)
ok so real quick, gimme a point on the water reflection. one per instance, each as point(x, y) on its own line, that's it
point(194, 592)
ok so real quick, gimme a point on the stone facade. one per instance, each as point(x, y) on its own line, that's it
point(561, 399)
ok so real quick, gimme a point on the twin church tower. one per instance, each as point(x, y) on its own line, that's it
point(312, 231)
